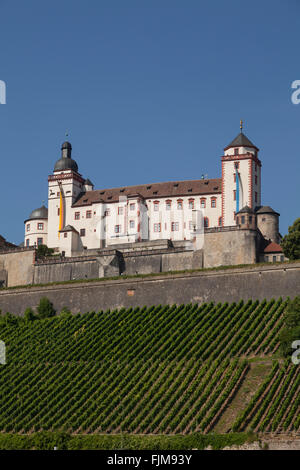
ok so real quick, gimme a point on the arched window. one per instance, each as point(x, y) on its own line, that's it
point(206, 222)
point(220, 221)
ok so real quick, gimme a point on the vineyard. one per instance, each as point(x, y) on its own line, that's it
point(162, 369)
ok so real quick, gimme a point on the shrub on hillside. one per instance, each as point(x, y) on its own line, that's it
point(45, 308)
point(29, 314)
point(65, 312)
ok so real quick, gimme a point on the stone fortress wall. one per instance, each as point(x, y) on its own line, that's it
point(222, 246)
point(224, 285)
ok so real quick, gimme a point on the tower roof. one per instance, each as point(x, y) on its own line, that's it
point(66, 145)
point(39, 213)
point(66, 162)
point(266, 210)
point(241, 140)
point(246, 210)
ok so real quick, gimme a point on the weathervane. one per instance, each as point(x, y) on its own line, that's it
point(241, 125)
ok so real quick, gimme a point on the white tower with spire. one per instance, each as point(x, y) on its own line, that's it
point(241, 177)
point(64, 186)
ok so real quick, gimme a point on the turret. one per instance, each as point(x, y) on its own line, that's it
point(268, 223)
point(246, 218)
point(36, 227)
point(88, 185)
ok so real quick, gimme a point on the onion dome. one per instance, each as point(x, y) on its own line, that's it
point(66, 162)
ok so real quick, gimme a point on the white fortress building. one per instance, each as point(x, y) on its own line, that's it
point(81, 218)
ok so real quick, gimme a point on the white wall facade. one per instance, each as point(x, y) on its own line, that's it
point(133, 218)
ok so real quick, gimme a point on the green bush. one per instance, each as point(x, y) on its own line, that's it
point(43, 251)
point(29, 314)
point(48, 440)
point(45, 308)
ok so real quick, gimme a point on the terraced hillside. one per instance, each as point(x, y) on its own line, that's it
point(166, 369)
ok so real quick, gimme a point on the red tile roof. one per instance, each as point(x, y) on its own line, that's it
point(155, 190)
point(273, 248)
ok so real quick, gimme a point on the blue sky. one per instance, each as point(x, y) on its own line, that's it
point(149, 90)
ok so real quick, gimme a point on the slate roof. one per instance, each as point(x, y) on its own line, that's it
point(39, 213)
point(266, 210)
point(68, 228)
point(246, 209)
point(241, 140)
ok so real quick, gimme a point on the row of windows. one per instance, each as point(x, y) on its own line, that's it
point(237, 151)
point(82, 233)
point(274, 258)
point(156, 226)
point(38, 242)
point(88, 215)
point(168, 203)
point(174, 225)
point(39, 226)
point(191, 203)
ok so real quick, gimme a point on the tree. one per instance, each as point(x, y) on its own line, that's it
point(291, 331)
point(45, 308)
point(43, 251)
point(291, 242)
